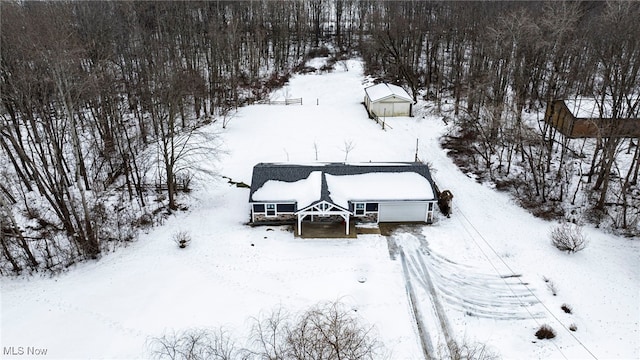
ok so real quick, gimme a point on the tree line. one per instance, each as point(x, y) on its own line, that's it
point(101, 100)
point(89, 87)
point(491, 66)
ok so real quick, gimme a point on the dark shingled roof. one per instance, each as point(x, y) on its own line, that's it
point(264, 172)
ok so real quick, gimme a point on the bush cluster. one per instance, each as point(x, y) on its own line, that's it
point(326, 331)
point(182, 238)
point(568, 237)
point(545, 332)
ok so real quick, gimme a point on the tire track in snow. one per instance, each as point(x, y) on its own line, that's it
point(425, 339)
point(437, 325)
point(481, 294)
point(431, 319)
point(472, 291)
point(433, 281)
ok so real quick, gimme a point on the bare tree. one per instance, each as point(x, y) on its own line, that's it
point(348, 146)
point(88, 88)
point(330, 331)
point(227, 114)
point(195, 344)
point(466, 350)
point(327, 331)
point(268, 335)
point(619, 55)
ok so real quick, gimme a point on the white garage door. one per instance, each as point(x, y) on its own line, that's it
point(402, 211)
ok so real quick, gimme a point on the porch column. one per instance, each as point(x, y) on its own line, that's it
point(300, 224)
point(346, 218)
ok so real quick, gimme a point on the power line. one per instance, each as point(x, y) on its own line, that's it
point(521, 282)
point(503, 279)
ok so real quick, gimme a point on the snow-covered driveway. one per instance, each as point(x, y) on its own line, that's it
point(489, 234)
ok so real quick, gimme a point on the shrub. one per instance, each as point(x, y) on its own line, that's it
point(545, 332)
point(182, 238)
point(566, 308)
point(573, 327)
point(568, 237)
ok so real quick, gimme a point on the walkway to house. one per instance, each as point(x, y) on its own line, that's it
point(325, 230)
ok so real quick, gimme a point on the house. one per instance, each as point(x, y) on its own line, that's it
point(387, 100)
point(380, 192)
point(589, 118)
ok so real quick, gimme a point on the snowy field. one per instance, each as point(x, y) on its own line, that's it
point(488, 262)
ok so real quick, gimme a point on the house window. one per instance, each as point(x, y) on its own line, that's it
point(372, 207)
point(430, 206)
point(359, 209)
point(271, 209)
point(286, 208)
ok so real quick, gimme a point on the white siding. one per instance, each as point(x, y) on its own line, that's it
point(402, 211)
point(394, 107)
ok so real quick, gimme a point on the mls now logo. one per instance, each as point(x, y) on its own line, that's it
point(23, 350)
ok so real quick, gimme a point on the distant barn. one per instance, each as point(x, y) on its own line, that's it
point(387, 100)
point(588, 118)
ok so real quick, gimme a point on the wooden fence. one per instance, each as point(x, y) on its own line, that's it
point(381, 122)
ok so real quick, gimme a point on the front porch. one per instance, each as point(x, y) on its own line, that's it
point(326, 212)
point(324, 230)
point(332, 230)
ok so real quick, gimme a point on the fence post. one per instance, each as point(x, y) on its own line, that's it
point(384, 118)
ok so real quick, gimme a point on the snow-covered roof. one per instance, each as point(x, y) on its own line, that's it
point(378, 186)
point(384, 90)
point(590, 108)
point(339, 183)
point(303, 191)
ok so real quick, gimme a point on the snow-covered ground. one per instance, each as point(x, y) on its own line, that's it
point(231, 272)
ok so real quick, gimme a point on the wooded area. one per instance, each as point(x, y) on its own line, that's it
point(89, 87)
